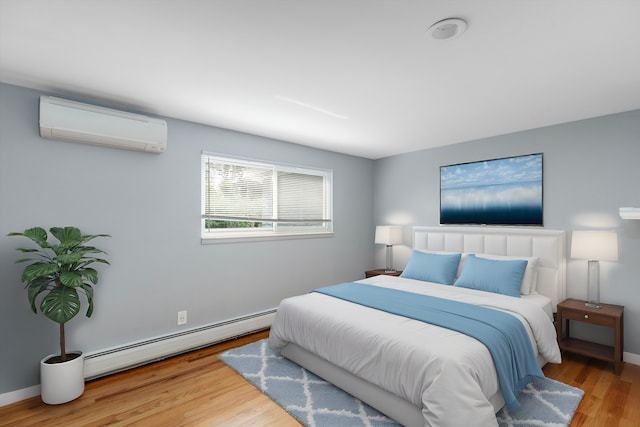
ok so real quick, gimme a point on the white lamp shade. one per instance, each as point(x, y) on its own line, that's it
point(594, 245)
point(389, 234)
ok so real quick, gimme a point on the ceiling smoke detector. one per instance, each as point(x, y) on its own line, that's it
point(447, 29)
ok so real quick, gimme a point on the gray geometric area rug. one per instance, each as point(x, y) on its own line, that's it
point(317, 403)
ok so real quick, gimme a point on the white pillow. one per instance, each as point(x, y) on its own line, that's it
point(530, 278)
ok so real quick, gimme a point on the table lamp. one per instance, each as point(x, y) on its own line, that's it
point(389, 235)
point(594, 246)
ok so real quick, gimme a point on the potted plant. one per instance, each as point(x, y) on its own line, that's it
point(57, 275)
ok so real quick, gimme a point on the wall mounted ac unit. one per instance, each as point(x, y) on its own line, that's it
point(89, 124)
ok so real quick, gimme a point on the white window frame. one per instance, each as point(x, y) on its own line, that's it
point(275, 232)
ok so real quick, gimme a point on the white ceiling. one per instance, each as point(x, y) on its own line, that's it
point(355, 76)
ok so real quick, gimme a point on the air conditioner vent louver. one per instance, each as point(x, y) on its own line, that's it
point(77, 122)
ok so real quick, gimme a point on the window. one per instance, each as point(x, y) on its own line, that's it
point(249, 199)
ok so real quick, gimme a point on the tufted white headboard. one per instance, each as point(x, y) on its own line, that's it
point(547, 245)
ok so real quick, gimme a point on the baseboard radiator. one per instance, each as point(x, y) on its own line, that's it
point(117, 359)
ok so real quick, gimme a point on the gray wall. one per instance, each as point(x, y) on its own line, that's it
point(590, 170)
point(150, 204)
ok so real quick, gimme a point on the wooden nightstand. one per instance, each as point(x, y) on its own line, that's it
point(609, 315)
point(380, 271)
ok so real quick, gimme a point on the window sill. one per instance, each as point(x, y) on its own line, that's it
point(262, 238)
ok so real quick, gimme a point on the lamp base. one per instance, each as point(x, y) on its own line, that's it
point(389, 268)
point(593, 290)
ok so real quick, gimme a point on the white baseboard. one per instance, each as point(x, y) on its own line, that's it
point(631, 358)
point(18, 395)
point(117, 359)
point(124, 357)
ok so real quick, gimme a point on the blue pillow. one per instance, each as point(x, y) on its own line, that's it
point(501, 277)
point(435, 268)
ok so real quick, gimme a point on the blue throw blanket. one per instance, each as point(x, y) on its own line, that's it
point(503, 334)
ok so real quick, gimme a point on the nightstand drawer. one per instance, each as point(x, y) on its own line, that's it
point(594, 318)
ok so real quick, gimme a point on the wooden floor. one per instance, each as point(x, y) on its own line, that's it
point(196, 389)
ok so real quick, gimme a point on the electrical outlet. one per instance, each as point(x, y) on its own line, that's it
point(182, 317)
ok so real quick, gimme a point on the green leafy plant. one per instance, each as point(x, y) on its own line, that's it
point(61, 272)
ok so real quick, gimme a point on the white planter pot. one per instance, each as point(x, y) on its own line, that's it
point(61, 382)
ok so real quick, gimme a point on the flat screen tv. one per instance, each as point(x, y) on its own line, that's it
point(506, 191)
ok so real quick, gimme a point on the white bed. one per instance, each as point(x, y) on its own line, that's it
point(416, 373)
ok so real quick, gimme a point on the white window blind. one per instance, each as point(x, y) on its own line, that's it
point(242, 198)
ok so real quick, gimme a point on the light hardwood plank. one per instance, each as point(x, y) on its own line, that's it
point(196, 389)
point(610, 400)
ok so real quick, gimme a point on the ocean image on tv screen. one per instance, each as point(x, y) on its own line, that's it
point(496, 192)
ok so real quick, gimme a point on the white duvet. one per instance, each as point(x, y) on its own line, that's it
point(449, 375)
